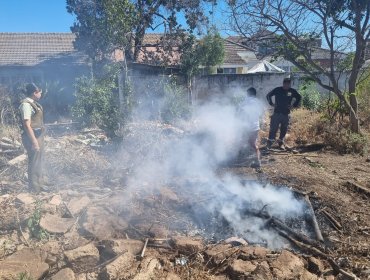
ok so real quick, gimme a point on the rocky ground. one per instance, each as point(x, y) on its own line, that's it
point(89, 226)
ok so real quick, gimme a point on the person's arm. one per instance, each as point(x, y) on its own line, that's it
point(28, 129)
point(297, 98)
point(269, 97)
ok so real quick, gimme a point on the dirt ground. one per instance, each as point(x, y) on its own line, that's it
point(87, 226)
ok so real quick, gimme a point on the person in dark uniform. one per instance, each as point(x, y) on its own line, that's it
point(32, 124)
point(284, 97)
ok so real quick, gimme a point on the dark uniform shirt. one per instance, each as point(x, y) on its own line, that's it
point(283, 99)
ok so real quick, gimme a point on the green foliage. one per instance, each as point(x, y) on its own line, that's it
point(175, 103)
point(208, 51)
point(33, 223)
point(97, 102)
point(102, 26)
point(105, 25)
point(24, 276)
point(347, 142)
point(311, 97)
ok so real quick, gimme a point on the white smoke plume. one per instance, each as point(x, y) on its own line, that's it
point(219, 131)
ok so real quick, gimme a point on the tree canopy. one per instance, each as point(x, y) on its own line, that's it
point(105, 25)
point(343, 25)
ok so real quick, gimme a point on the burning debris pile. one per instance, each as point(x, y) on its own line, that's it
point(158, 206)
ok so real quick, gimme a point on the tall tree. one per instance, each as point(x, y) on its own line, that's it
point(343, 25)
point(207, 52)
point(105, 25)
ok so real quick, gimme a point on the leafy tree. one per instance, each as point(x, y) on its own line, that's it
point(102, 26)
point(105, 25)
point(208, 51)
point(342, 24)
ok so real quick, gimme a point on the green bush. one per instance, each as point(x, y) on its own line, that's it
point(311, 97)
point(175, 103)
point(97, 101)
point(345, 141)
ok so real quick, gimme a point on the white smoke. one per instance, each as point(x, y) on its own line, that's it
point(219, 131)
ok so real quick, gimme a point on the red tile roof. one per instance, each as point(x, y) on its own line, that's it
point(29, 49)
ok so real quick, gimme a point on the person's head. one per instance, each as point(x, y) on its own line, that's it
point(251, 92)
point(32, 91)
point(287, 83)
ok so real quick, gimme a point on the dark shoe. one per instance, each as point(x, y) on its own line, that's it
point(281, 145)
point(269, 144)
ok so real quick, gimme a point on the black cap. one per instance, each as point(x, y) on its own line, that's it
point(31, 88)
point(287, 80)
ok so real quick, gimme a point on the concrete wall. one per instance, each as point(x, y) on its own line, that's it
point(229, 84)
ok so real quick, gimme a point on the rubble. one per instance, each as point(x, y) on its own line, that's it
point(26, 260)
point(106, 237)
point(83, 258)
point(64, 274)
point(187, 245)
point(25, 198)
point(56, 224)
point(120, 268)
point(77, 204)
point(117, 247)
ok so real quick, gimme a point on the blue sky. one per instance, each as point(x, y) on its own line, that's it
point(34, 16)
point(49, 16)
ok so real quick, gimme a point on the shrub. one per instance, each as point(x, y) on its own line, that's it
point(175, 104)
point(306, 126)
point(311, 97)
point(97, 102)
point(345, 141)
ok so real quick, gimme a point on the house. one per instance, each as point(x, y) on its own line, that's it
point(47, 59)
point(39, 57)
point(238, 58)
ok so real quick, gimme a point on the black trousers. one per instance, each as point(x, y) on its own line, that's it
point(35, 161)
point(278, 120)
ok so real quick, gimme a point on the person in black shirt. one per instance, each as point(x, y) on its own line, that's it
point(284, 97)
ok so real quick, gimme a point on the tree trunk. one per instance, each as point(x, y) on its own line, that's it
point(353, 115)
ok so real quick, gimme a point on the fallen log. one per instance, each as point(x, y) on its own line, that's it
point(313, 219)
point(17, 160)
point(315, 251)
point(279, 224)
point(332, 220)
point(144, 248)
point(358, 187)
point(7, 146)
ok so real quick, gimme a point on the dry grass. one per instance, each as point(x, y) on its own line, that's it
point(11, 132)
point(306, 127)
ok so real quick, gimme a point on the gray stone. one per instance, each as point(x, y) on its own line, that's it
point(287, 266)
point(25, 198)
point(56, 200)
point(77, 204)
point(240, 268)
point(83, 258)
point(147, 269)
point(64, 274)
point(56, 224)
point(187, 245)
point(119, 246)
point(120, 268)
point(26, 260)
point(101, 224)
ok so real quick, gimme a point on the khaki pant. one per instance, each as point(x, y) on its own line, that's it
point(35, 162)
